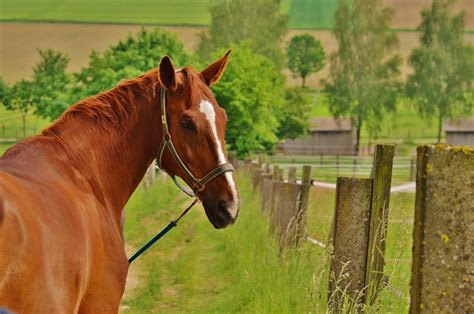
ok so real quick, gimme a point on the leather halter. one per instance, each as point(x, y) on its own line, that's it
point(197, 184)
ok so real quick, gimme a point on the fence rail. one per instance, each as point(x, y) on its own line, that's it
point(330, 167)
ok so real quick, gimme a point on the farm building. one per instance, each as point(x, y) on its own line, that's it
point(327, 136)
point(460, 131)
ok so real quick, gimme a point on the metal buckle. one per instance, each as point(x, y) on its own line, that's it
point(198, 186)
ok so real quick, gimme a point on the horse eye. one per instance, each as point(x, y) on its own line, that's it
point(188, 124)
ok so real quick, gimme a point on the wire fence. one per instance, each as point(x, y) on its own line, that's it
point(328, 167)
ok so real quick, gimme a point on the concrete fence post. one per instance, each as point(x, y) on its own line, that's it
point(442, 278)
point(382, 178)
point(350, 234)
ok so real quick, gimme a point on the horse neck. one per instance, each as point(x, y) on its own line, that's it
point(113, 146)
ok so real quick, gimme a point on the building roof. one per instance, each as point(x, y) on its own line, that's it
point(330, 124)
point(460, 125)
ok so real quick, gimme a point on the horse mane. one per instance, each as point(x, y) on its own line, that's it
point(112, 110)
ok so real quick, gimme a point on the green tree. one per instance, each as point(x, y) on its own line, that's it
point(19, 98)
point(305, 56)
point(128, 59)
point(442, 81)
point(294, 114)
point(51, 93)
point(3, 90)
point(252, 92)
point(363, 78)
point(258, 22)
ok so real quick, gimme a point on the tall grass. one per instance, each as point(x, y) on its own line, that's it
point(240, 269)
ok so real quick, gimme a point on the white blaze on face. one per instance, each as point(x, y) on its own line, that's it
point(208, 109)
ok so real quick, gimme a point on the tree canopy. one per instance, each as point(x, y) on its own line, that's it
point(305, 56)
point(51, 85)
point(18, 97)
point(252, 92)
point(258, 22)
point(294, 114)
point(128, 59)
point(442, 82)
point(363, 79)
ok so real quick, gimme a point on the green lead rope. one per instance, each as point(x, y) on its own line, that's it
point(159, 235)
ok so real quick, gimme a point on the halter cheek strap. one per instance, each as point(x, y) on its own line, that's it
point(197, 185)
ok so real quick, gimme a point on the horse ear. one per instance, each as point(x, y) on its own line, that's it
point(214, 71)
point(167, 74)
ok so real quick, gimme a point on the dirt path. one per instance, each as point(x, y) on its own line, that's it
point(166, 252)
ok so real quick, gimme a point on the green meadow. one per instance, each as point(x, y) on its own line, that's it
point(11, 126)
point(196, 268)
point(162, 12)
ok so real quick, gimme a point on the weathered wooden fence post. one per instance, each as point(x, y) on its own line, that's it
point(292, 174)
point(350, 235)
point(257, 175)
point(233, 158)
point(382, 176)
point(277, 185)
point(443, 237)
point(303, 203)
point(266, 193)
point(412, 169)
point(289, 219)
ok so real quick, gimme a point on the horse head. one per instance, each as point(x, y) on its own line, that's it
point(195, 126)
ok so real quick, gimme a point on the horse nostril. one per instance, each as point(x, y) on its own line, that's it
point(222, 207)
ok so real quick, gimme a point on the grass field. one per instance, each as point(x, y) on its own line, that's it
point(239, 270)
point(404, 127)
point(11, 127)
point(157, 12)
point(303, 14)
point(311, 14)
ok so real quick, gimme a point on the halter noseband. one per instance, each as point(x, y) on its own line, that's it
point(197, 184)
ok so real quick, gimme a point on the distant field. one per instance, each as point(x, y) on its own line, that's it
point(163, 12)
point(318, 14)
point(303, 14)
point(77, 41)
point(311, 14)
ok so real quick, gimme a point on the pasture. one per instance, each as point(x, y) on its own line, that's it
point(11, 127)
point(157, 12)
point(303, 14)
point(196, 268)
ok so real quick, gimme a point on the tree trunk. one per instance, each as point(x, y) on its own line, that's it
point(440, 127)
point(357, 145)
point(23, 118)
point(303, 84)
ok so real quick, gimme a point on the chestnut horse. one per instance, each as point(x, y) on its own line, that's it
point(62, 192)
